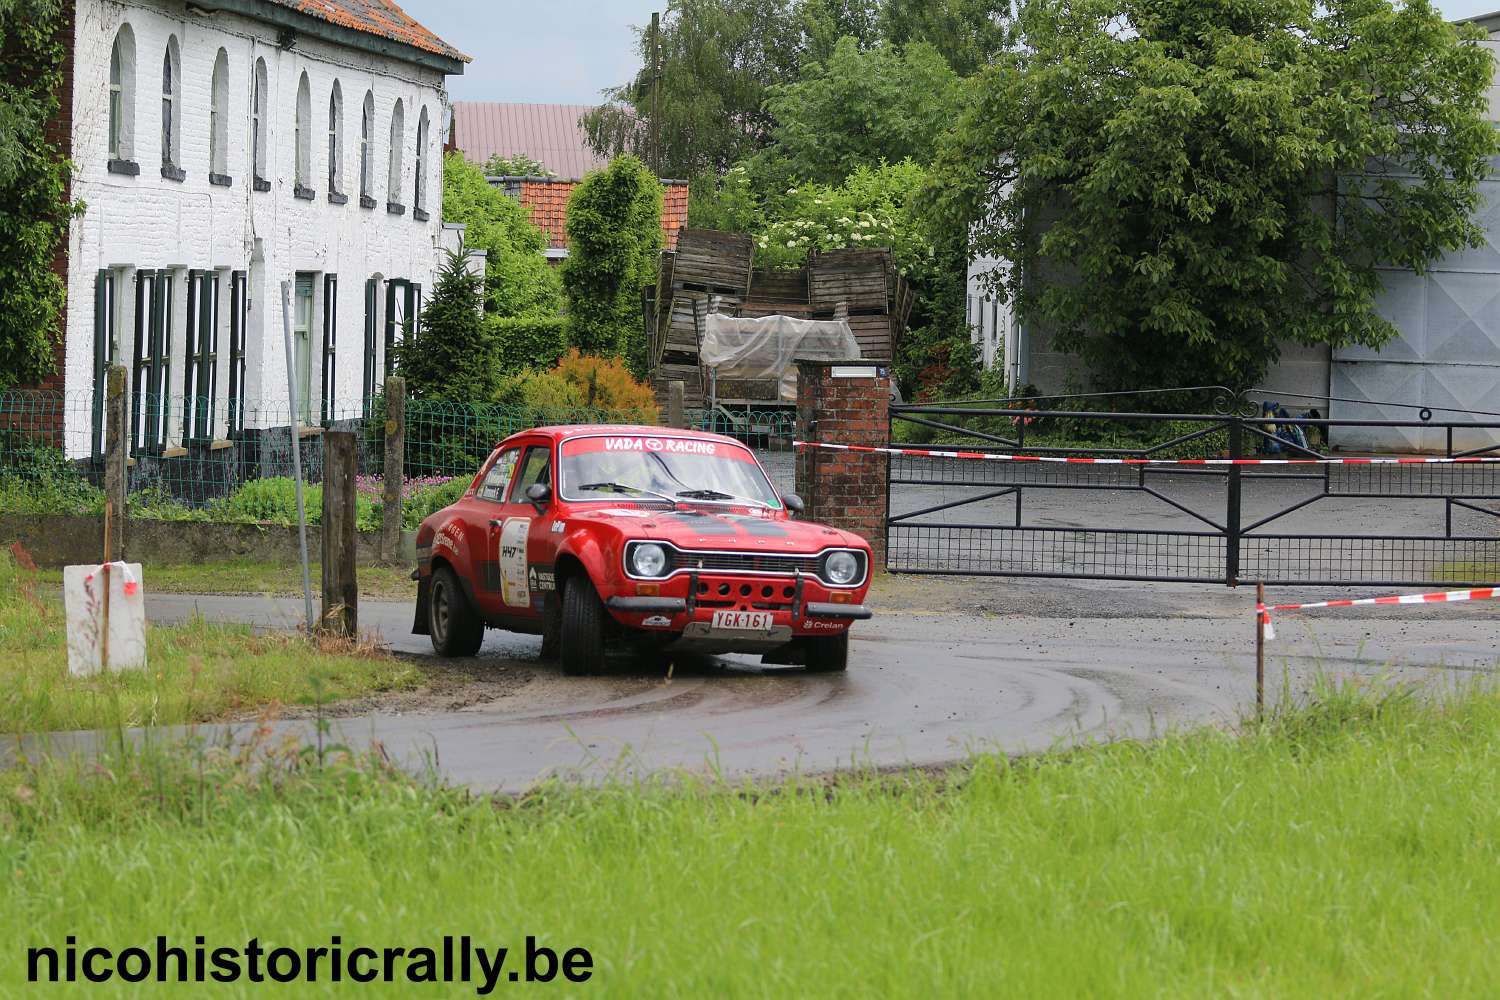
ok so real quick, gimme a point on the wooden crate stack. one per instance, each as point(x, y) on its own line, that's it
point(711, 270)
point(708, 268)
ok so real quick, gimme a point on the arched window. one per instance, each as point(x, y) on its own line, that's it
point(420, 204)
point(393, 175)
point(366, 158)
point(171, 111)
point(258, 126)
point(122, 101)
point(336, 140)
point(218, 122)
point(302, 143)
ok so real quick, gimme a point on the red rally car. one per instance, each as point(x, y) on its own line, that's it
point(666, 539)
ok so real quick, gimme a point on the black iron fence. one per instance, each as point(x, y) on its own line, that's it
point(1321, 521)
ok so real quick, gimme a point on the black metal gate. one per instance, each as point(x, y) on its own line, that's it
point(1309, 524)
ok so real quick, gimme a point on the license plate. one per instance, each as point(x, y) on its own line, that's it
point(744, 621)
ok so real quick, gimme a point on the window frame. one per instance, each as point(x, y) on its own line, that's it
point(419, 192)
point(258, 139)
point(521, 470)
point(200, 365)
point(489, 470)
point(151, 378)
point(366, 153)
point(104, 347)
point(394, 163)
point(239, 307)
point(330, 344)
point(218, 117)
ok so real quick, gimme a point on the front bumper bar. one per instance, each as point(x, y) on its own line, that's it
point(647, 605)
point(848, 612)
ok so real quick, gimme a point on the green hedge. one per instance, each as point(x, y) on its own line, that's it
point(524, 343)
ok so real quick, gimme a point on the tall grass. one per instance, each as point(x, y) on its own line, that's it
point(196, 672)
point(1347, 848)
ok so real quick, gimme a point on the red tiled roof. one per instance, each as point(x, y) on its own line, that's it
point(549, 133)
point(376, 17)
point(548, 201)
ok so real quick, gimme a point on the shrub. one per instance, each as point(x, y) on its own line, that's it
point(583, 382)
point(528, 342)
point(274, 501)
point(428, 500)
point(41, 480)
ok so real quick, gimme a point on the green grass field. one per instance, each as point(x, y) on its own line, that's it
point(198, 672)
point(1350, 848)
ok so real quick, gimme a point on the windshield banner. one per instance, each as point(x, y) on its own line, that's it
point(657, 446)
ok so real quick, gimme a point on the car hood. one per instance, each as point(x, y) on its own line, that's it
point(718, 528)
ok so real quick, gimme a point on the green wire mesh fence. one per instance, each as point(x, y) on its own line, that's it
point(198, 457)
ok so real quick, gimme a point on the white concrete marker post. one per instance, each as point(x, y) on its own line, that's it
point(84, 606)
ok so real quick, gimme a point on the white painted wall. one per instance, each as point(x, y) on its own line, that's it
point(147, 221)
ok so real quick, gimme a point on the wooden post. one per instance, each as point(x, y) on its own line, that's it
point(677, 404)
point(117, 453)
point(109, 557)
point(1260, 651)
point(395, 468)
point(340, 586)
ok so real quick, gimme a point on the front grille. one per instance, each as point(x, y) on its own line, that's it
point(746, 562)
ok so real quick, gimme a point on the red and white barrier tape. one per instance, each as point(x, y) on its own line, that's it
point(131, 586)
point(1063, 460)
point(1454, 596)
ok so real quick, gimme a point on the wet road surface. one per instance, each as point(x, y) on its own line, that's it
point(1021, 667)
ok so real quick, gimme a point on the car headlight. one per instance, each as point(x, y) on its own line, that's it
point(648, 560)
point(841, 568)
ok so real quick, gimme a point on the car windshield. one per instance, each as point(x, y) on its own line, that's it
point(663, 468)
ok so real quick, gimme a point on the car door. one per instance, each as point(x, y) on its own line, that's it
point(524, 566)
point(488, 506)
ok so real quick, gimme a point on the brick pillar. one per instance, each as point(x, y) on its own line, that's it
point(844, 403)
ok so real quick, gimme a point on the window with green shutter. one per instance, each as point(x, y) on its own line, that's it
point(330, 343)
point(104, 348)
point(200, 380)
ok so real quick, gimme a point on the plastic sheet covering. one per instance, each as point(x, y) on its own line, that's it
point(769, 347)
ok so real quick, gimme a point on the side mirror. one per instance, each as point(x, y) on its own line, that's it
point(540, 494)
point(793, 503)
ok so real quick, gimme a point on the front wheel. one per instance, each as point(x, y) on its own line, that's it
point(456, 630)
point(581, 645)
point(827, 654)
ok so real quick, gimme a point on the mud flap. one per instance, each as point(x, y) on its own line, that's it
point(421, 626)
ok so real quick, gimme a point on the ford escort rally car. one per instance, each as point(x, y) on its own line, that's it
point(596, 537)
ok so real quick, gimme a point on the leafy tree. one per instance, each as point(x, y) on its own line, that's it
point(824, 22)
point(1184, 182)
point(450, 355)
point(858, 109)
point(518, 280)
point(519, 165)
point(968, 33)
point(34, 209)
point(614, 242)
point(717, 59)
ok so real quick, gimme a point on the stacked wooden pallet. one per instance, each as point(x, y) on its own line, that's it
point(713, 270)
point(708, 270)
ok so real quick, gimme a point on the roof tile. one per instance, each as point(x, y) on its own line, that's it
point(376, 17)
point(548, 201)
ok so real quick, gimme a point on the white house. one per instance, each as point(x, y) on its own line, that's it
point(223, 147)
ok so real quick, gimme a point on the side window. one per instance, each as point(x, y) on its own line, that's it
point(537, 468)
point(498, 478)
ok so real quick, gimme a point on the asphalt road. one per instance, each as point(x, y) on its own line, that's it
point(1022, 666)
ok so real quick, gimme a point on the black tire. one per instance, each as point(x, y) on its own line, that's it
point(552, 628)
point(581, 647)
point(456, 629)
point(827, 654)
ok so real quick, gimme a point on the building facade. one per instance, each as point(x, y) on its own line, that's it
point(227, 148)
